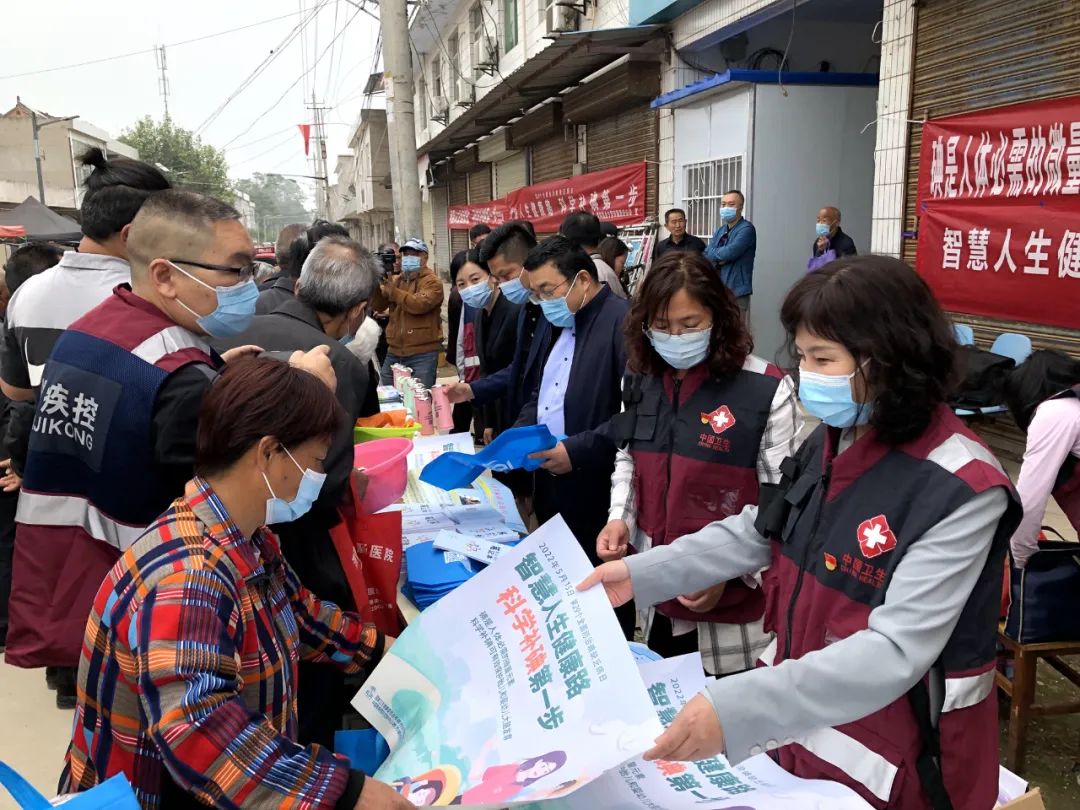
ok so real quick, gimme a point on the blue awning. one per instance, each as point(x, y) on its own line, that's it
point(739, 75)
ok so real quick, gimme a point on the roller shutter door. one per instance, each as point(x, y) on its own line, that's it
point(628, 137)
point(510, 174)
point(441, 248)
point(480, 184)
point(553, 158)
point(459, 195)
point(977, 54)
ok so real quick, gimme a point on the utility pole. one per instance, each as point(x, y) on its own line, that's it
point(36, 127)
point(163, 80)
point(398, 71)
point(322, 188)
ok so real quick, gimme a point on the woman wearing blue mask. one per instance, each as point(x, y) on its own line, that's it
point(494, 321)
point(706, 423)
point(188, 677)
point(885, 542)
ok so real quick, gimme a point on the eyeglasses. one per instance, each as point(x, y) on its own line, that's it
point(549, 294)
point(246, 272)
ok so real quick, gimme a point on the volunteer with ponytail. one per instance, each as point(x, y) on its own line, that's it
point(705, 422)
point(885, 543)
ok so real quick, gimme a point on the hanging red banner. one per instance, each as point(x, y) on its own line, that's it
point(999, 212)
point(614, 195)
point(305, 130)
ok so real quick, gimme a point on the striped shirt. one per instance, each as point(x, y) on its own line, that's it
point(187, 682)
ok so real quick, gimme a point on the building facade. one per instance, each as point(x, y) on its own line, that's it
point(362, 197)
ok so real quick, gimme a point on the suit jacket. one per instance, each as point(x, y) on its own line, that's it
point(496, 340)
point(274, 295)
point(514, 384)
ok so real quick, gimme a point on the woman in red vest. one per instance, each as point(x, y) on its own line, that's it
point(706, 422)
point(885, 543)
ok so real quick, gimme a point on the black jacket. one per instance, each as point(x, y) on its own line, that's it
point(307, 546)
point(843, 244)
point(274, 295)
point(689, 243)
point(496, 338)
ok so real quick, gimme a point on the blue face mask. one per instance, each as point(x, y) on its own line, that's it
point(234, 311)
point(829, 398)
point(476, 295)
point(822, 229)
point(514, 291)
point(410, 264)
point(681, 351)
point(281, 511)
point(727, 214)
point(557, 311)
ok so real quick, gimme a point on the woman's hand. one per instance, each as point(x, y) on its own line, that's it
point(615, 577)
point(380, 796)
point(703, 601)
point(489, 435)
point(613, 541)
point(695, 734)
point(556, 460)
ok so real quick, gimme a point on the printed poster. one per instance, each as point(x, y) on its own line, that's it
point(513, 688)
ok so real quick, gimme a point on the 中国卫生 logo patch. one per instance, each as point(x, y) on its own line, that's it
point(875, 537)
point(719, 420)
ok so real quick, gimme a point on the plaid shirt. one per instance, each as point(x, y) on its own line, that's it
point(189, 663)
point(725, 648)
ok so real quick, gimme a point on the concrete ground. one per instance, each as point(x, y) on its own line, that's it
point(34, 733)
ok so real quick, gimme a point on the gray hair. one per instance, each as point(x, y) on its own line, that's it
point(338, 274)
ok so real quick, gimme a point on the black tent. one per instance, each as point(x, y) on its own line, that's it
point(41, 223)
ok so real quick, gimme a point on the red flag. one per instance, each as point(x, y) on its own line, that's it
point(305, 130)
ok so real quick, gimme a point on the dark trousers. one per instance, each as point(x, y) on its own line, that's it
point(584, 507)
point(661, 640)
point(9, 502)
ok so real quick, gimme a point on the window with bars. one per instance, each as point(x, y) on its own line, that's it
point(705, 184)
point(437, 78)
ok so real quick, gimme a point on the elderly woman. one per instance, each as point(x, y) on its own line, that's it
point(188, 677)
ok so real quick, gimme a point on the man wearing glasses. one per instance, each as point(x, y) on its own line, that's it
point(113, 437)
point(675, 222)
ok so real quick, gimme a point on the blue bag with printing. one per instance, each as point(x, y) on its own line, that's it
point(112, 794)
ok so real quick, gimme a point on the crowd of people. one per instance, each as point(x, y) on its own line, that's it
point(177, 447)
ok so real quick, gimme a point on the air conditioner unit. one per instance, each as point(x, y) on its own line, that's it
point(563, 17)
point(488, 57)
point(466, 93)
point(440, 110)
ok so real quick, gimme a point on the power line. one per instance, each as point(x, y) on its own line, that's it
point(333, 53)
point(299, 78)
point(145, 50)
point(264, 138)
point(288, 139)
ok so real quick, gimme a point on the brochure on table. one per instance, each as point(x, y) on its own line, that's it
point(515, 689)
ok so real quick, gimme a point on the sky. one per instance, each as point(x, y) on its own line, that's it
point(42, 34)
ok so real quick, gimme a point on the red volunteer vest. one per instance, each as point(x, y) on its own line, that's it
point(852, 519)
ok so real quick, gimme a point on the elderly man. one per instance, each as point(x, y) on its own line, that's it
point(415, 298)
point(733, 248)
point(332, 294)
point(829, 235)
point(113, 440)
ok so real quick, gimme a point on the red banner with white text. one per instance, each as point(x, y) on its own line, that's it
point(999, 212)
point(614, 195)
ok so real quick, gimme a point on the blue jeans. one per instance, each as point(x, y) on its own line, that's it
point(423, 367)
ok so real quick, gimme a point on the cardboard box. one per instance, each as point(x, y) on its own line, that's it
point(1032, 800)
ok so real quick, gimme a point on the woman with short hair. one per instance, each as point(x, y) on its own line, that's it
point(885, 542)
point(188, 677)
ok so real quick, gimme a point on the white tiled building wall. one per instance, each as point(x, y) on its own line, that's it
point(894, 110)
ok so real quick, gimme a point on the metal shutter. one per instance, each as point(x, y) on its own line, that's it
point(480, 184)
point(459, 195)
point(973, 55)
point(553, 158)
point(511, 174)
point(628, 137)
point(441, 248)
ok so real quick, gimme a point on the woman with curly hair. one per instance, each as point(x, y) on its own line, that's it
point(885, 542)
point(706, 423)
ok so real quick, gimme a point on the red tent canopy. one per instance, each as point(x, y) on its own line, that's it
point(11, 231)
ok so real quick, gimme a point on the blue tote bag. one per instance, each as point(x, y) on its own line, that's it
point(112, 794)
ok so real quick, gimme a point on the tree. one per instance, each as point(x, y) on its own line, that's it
point(188, 162)
point(278, 201)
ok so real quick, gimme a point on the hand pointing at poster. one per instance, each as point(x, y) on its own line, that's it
point(695, 734)
point(615, 577)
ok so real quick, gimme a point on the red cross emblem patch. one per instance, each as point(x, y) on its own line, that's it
point(875, 537)
point(719, 420)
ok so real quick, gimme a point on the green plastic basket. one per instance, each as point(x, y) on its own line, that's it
point(367, 434)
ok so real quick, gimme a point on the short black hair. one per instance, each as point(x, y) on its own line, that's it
point(192, 205)
point(115, 191)
point(1044, 374)
point(569, 259)
point(302, 245)
point(742, 197)
point(29, 260)
point(670, 211)
point(462, 258)
point(511, 240)
point(478, 230)
point(582, 228)
point(321, 227)
point(609, 229)
point(287, 235)
point(883, 312)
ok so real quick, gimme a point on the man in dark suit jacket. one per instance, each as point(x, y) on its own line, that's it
point(829, 235)
point(337, 279)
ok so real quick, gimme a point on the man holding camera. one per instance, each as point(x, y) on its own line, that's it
point(414, 298)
